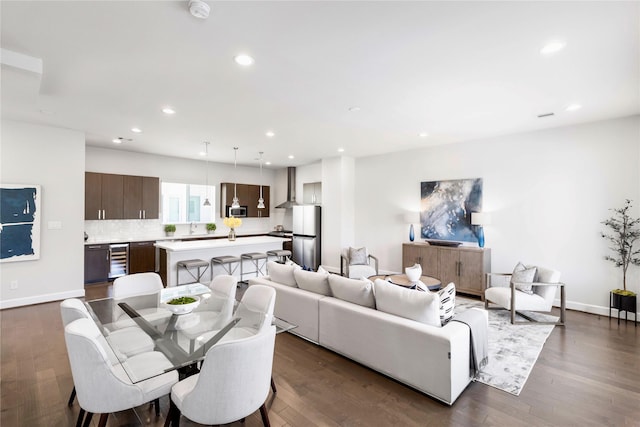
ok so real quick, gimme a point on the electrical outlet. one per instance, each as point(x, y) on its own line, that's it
point(14, 285)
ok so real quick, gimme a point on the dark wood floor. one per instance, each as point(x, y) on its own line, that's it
point(588, 374)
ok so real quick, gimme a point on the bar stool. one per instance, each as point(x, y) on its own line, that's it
point(255, 258)
point(228, 262)
point(188, 265)
point(282, 255)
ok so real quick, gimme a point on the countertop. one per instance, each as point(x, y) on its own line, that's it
point(163, 237)
point(175, 246)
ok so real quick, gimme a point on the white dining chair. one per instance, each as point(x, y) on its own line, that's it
point(213, 313)
point(255, 312)
point(129, 341)
point(103, 385)
point(142, 292)
point(232, 384)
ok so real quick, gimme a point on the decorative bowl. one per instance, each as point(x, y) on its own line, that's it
point(182, 308)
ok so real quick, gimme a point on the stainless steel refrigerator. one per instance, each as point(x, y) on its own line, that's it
point(306, 236)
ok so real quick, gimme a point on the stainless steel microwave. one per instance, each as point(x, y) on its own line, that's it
point(240, 212)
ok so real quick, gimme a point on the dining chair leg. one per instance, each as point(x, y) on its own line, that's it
point(103, 420)
point(87, 419)
point(273, 386)
point(80, 418)
point(265, 416)
point(72, 397)
point(173, 416)
point(156, 403)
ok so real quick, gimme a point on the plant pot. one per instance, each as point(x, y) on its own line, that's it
point(211, 231)
point(623, 302)
point(170, 233)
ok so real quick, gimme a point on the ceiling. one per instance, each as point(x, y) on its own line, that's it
point(456, 70)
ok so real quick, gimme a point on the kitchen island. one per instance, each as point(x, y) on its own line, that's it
point(172, 252)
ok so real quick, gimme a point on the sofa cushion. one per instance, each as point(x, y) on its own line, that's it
point(423, 307)
point(281, 273)
point(522, 277)
point(312, 281)
point(352, 290)
point(358, 256)
point(447, 302)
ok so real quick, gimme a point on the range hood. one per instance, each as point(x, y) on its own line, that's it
point(291, 189)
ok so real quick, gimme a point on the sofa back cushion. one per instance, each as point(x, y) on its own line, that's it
point(357, 291)
point(282, 273)
point(312, 281)
point(423, 307)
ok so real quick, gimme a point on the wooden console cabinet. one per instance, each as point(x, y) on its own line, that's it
point(464, 266)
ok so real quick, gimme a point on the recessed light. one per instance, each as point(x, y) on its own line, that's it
point(202, 153)
point(117, 140)
point(574, 107)
point(423, 134)
point(354, 109)
point(291, 156)
point(168, 110)
point(270, 134)
point(267, 163)
point(340, 150)
point(136, 130)
point(243, 59)
point(552, 47)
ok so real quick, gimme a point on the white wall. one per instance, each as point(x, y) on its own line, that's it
point(547, 192)
point(53, 158)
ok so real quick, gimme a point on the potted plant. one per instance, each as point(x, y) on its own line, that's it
point(624, 231)
point(169, 229)
point(211, 227)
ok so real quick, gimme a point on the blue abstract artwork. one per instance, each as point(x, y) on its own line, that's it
point(446, 206)
point(19, 222)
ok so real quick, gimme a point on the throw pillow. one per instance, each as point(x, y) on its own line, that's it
point(312, 281)
point(357, 291)
point(422, 307)
point(281, 273)
point(447, 303)
point(522, 277)
point(358, 256)
point(321, 269)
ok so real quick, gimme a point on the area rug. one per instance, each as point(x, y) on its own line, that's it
point(513, 349)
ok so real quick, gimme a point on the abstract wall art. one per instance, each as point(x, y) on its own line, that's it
point(19, 222)
point(446, 206)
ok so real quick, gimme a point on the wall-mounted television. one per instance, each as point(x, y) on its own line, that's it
point(445, 210)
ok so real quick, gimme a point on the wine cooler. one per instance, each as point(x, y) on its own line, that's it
point(118, 260)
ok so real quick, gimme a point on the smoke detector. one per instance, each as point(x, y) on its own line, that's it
point(199, 9)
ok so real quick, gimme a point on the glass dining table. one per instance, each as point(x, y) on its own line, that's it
point(184, 338)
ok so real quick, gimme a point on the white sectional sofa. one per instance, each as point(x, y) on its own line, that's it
point(427, 357)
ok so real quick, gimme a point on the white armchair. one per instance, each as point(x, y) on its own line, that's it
point(507, 294)
point(357, 262)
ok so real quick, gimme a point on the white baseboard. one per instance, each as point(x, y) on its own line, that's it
point(39, 299)
point(587, 308)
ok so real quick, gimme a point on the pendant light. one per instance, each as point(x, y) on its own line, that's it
point(206, 191)
point(261, 200)
point(235, 203)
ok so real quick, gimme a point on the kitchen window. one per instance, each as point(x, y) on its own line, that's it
point(184, 203)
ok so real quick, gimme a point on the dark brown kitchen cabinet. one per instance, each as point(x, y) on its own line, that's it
point(142, 257)
point(109, 196)
point(103, 195)
point(141, 197)
point(96, 263)
point(248, 196)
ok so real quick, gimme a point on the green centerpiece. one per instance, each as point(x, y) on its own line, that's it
point(181, 301)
